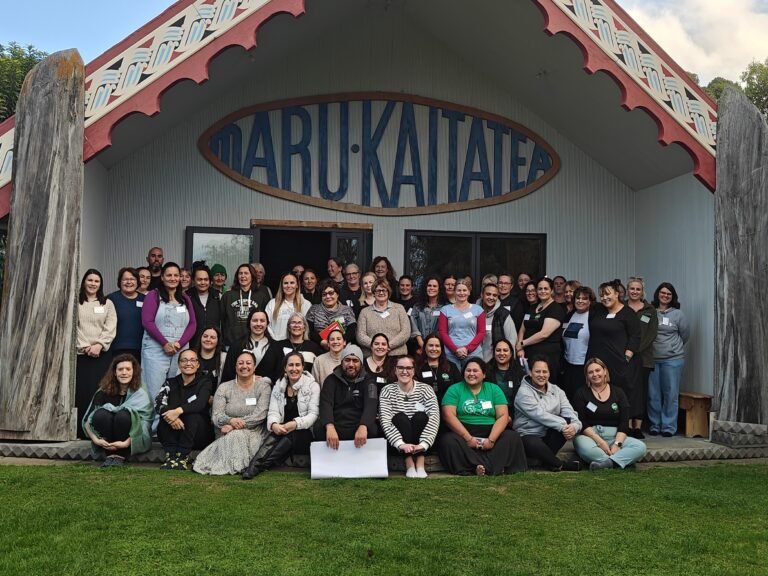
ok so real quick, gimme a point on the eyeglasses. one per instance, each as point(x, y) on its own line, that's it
point(404, 368)
point(329, 293)
point(501, 283)
point(296, 323)
point(352, 274)
point(380, 291)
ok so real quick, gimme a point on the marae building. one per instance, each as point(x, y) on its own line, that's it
point(547, 136)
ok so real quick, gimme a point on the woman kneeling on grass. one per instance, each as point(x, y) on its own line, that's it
point(293, 408)
point(604, 410)
point(409, 416)
point(476, 415)
point(119, 416)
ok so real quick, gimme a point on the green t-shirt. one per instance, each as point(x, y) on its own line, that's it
point(475, 410)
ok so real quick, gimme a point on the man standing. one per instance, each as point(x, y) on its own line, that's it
point(334, 270)
point(522, 280)
point(155, 261)
point(559, 295)
point(510, 299)
point(348, 402)
point(351, 290)
point(498, 321)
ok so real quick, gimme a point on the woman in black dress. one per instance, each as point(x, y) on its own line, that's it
point(540, 334)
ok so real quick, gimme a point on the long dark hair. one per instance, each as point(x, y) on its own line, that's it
point(390, 276)
point(422, 298)
point(109, 384)
point(162, 291)
point(82, 297)
point(675, 302)
point(236, 282)
point(217, 352)
point(443, 364)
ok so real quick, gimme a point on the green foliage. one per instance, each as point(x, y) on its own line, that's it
point(755, 79)
point(78, 519)
point(15, 62)
point(717, 85)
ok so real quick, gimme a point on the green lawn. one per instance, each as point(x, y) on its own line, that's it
point(81, 520)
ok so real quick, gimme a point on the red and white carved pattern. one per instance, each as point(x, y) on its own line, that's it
point(636, 57)
point(148, 59)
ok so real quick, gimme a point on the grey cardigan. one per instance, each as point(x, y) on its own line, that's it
point(536, 411)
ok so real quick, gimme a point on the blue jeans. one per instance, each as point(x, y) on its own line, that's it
point(631, 451)
point(664, 395)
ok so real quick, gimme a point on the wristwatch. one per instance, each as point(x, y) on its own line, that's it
point(619, 444)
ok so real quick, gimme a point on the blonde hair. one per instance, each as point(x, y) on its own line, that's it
point(362, 290)
point(298, 299)
point(599, 363)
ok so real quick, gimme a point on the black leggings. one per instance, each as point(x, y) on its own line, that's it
point(410, 428)
point(196, 435)
point(545, 448)
point(113, 427)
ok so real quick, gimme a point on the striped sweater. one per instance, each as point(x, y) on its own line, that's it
point(422, 398)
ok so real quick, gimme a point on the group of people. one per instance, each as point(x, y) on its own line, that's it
point(492, 383)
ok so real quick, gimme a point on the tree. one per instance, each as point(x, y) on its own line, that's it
point(755, 79)
point(15, 62)
point(717, 85)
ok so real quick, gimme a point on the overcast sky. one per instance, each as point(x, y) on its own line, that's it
point(709, 37)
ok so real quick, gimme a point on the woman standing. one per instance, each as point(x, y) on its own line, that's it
point(185, 279)
point(570, 289)
point(169, 325)
point(120, 413)
point(604, 412)
point(504, 370)
point(531, 299)
point(576, 341)
point(614, 338)
point(462, 327)
point(426, 311)
point(649, 326)
point(206, 302)
point(477, 440)
point(145, 277)
point(544, 418)
point(239, 413)
point(434, 369)
point(384, 317)
point(309, 286)
point(96, 329)
point(238, 303)
point(326, 363)
point(211, 354)
point(366, 296)
point(298, 341)
point(269, 356)
point(128, 303)
point(410, 417)
point(669, 357)
point(185, 424)
point(282, 306)
point(293, 409)
point(382, 267)
point(449, 288)
point(540, 333)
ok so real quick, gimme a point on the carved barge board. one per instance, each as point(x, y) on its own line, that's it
point(741, 261)
point(37, 318)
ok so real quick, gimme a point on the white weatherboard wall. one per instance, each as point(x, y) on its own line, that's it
point(586, 212)
point(676, 243)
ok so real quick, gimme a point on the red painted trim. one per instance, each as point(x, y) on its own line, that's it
point(632, 95)
point(98, 135)
point(5, 199)
point(668, 60)
point(7, 124)
point(134, 37)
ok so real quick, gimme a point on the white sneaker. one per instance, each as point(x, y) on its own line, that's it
point(411, 473)
point(421, 473)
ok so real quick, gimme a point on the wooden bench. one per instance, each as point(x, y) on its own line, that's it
point(697, 407)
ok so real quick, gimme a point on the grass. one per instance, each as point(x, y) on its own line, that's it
point(81, 520)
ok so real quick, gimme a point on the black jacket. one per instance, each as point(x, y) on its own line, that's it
point(208, 316)
point(271, 364)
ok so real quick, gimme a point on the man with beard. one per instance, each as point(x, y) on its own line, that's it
point(155, 261)
point(349, 402)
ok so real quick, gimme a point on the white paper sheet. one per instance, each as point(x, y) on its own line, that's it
point(370, 461)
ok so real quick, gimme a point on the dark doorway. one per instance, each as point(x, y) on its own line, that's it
point(280, 250)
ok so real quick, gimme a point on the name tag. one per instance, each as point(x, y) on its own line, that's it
point(287, 350)
point(510, 384)
point(435, 312)
point(526, 317)
point(410, 312)
point(340, 320)
point(181, 309)
point(191, 398)
point(665, 321)
point(250, 401)
point(420, 407)
point(611, 316)
point(591, 407)
point(509, 308)
point(139, 304)
point(426, 374)
point(645, 319)
point(349, 303)
point(380, 380)
point(385, 314)
point(468, 315)
point(488, 327)
point(99, 310)
point(486, 405)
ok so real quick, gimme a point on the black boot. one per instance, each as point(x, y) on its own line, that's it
point(270, 454)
